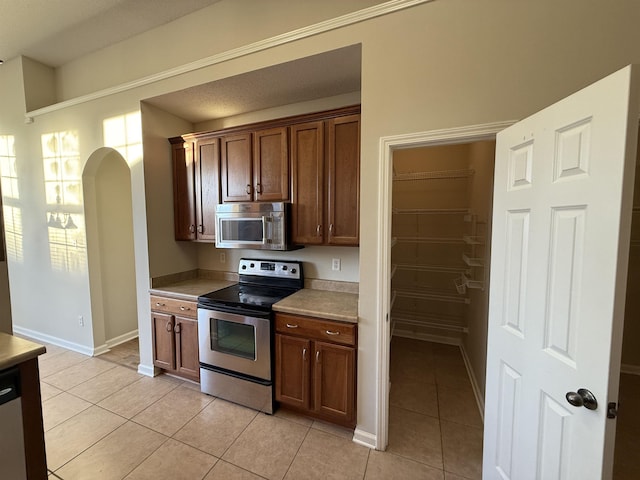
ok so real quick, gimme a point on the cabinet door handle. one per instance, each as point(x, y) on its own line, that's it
point(304, 354)
point(318, 230)
point(177, 328)
point(318, 356)
point(200, 228)
point(192, 228)
point(169, 327)
point(248, 189)
point(158, 304)
point(329, 332)
point(258, 188)
point(289, 325)
point(331, 228)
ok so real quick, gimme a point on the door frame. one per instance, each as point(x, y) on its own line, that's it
point(387, 146)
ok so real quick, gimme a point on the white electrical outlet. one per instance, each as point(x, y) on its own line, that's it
point(81, 320)
point(335, 264)
point(223, 257)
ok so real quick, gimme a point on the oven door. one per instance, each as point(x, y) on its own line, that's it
point(235, 342)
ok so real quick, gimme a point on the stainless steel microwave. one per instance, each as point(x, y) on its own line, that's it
point(262, 226)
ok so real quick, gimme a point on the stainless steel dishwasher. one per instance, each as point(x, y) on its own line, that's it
point(12, 457)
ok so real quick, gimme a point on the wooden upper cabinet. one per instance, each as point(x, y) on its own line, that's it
point(307, 182)
point(183, 191)
point(207, 174)
point(343, 182)
point(235, 168)
point(271, 165)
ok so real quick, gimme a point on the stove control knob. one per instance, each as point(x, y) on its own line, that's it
point(244, 267)
point(252, 265)
point(285, 268)
point(293, 270)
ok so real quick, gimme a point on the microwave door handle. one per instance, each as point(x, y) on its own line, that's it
point(265, 236)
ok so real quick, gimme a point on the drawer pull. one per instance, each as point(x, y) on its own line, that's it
point(184, 308)
point(158, 304)
point(290, 325)
point(329, 332)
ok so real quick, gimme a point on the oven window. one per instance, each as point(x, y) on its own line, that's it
point(233, 338)
point(241, 229)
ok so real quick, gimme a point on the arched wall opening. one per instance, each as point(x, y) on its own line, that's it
point(110, 249)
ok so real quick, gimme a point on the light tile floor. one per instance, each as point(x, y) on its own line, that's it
point(103, 420)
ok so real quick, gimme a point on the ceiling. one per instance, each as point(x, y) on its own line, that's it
point(80, 27)
point(55, 32)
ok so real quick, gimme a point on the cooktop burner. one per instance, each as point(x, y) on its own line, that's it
point(262, 283)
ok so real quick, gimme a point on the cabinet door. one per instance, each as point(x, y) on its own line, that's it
point(207, 168)
point(271, 165)
point(164, 345)
point(187, 360)
point(235, 168)
point(307, 175)
point(292, 371)
point(334, 382)
point(343, 183)
point(183, 191)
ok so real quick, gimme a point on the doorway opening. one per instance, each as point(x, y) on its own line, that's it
point(440, 226)
point(414, 326)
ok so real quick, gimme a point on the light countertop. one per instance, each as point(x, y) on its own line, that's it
point(327, 304)
point(14, 350)
point(190, 290)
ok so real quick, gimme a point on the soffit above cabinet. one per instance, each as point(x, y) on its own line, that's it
point(318, 76)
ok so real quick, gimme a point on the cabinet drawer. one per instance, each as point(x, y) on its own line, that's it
point(173, 306)
point(316, 329)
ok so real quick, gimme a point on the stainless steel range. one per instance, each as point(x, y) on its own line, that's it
point(236, 333)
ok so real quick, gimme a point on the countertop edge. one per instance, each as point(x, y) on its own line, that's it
point(317, 314)
point(17, 350)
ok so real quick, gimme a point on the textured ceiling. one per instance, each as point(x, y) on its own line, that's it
point(55, 32)
point(324, 75)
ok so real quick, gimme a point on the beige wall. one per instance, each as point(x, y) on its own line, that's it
point(437, 65)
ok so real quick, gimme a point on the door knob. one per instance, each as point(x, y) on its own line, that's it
point(583, 398)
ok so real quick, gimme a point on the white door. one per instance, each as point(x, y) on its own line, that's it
point(561, 223)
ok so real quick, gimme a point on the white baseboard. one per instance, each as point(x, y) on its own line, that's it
point(474, 382)
point(90, 351)
point(125, 337)
point(365, 439)
point(630, 369)
point(44, 338)
point(148, 370)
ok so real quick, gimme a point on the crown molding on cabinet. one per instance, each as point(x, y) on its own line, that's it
point(301, 33)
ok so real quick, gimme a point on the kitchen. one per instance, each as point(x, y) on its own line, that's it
point(402, 92)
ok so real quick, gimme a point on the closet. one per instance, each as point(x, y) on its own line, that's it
point(440, 213)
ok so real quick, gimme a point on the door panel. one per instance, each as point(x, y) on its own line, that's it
point(235, 168)
point(164, 346)
point(207, 188)
point(307, 172)
point(292, 371)
point(271, 169)
point(561, 224)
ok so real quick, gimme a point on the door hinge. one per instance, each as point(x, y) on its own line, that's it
point(612, 410)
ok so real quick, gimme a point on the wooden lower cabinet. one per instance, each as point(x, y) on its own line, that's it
point(315, 374)
point(175, 337)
